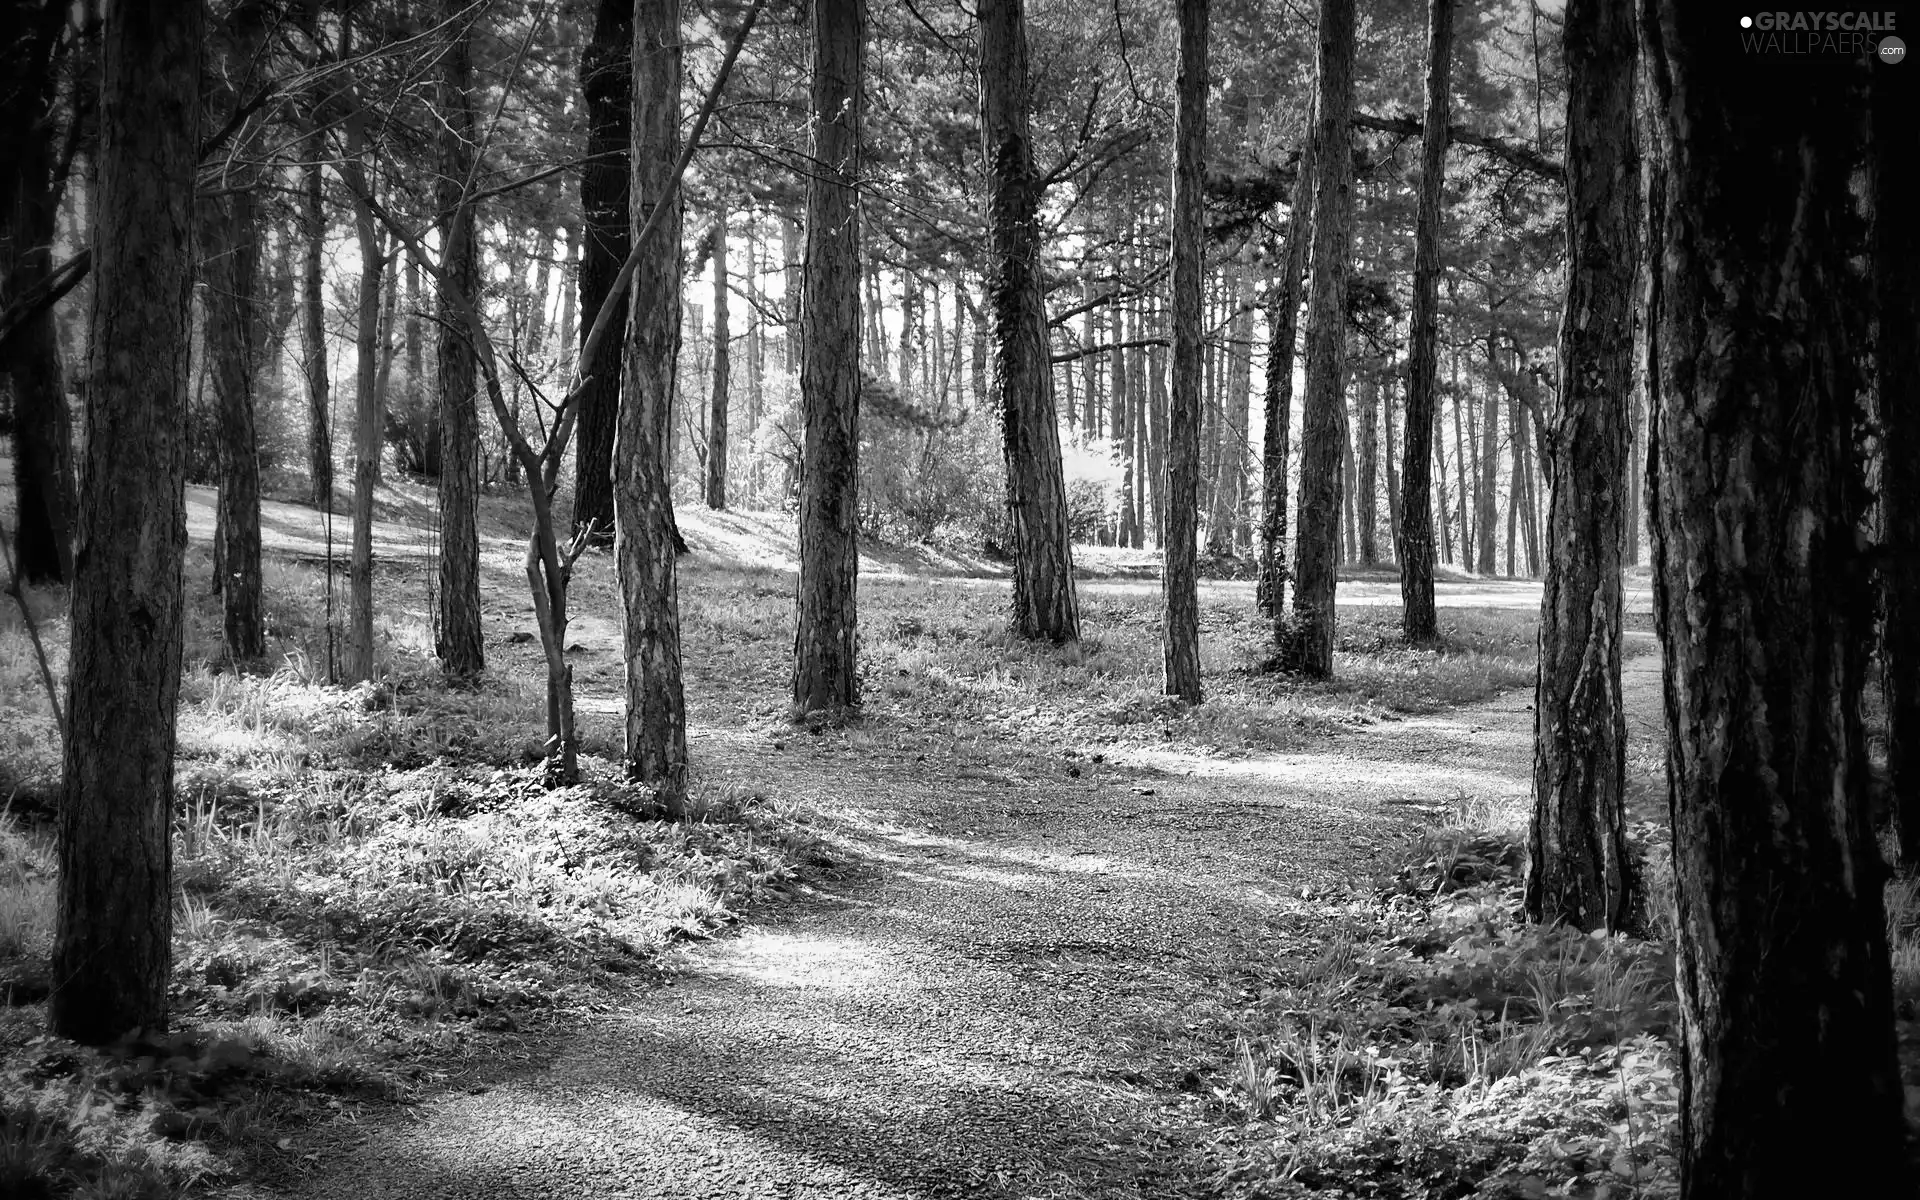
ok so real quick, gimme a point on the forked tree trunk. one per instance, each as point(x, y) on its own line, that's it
point(461, 646)
point(825, 670)
point(1579, 871)
point(1487, 519)
point(1415, 545)
point(1180, 591)
point(606, 82)
point(656, 729)
point(113, 928)
point(1790, 1084)
point(1283, 326)
point(1309, 644)
point(1044, 603)
point(722, 369)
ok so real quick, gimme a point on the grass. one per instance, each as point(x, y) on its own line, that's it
point(373, 887)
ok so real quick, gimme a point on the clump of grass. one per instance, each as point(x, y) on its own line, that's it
point(26, 892)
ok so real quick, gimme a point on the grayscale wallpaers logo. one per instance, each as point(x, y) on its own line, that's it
point(1822, 34)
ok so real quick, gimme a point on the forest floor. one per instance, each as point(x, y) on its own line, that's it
point(1025, 928)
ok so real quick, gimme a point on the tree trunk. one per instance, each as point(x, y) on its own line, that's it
point(1389, 460)
point(461, 646)
point(1896, 258)
point(42, 426)
point(1044, 604)
point(606, 83)
point(644, 545)
point(231, 231)
point(314, 339)
point(1309, 647)
point(1180, 592)
point(1486, 522)
point(1579, 871)
point(1415, 544)
point(1462, 445)
point(1283, 325)
point(1157, 434)
point(113, 931)
point(1441, 520)
point(1763, 601)
point(358, 664)
point(825, 671)
point(722, 370)
point(1122, 427)
point(1367, 481)
point(1350, 544)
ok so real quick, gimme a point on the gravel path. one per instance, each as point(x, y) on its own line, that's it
point(947, 1021)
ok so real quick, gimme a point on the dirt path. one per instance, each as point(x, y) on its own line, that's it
point(950, 1020)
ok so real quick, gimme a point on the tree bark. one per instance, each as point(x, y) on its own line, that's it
point(1283, 326)
point(1579, 870)
point(1180, 592)
point(112, 940)
point(722, 369)
point(1763, 600)
point(231, 231)
point(606, 84)
point(825, 671)
point(1309, 645)
point(1486, 523)
point(1415, 545)
point(1896, 258)
point(314, 331)
point(1367, 480)
point(1044, 603)
point(43, 434)
point(644, 544)
point(461, 647)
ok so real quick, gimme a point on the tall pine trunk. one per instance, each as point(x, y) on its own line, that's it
point(606, 83)
point(1309, 644)
point(358, 663)
point(42, 427)
point(1415, 545)
point(1790, 1084)
point(1180, 591)
point(1487, 520)
point(1367, 478)
point(231, 230)
point(112, 949)
point(722, 369)
point(1896, 259)
point(313, 342)
point(1578, 869)
point(644, 542)
point(825, 671)
point(461, 646)
point(1044, 603)
point(1283, 327)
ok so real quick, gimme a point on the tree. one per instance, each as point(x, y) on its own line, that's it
point(606, 80)
point(29, 205)
point(1283, 327)
point(722, 370)
point(358, 664)
point(1896, 258)
point(825, 675)
point(1180, 594)
point(1044, 602)
point(1309, 645)
point(313, 344)
point(462, 648)
point(1415, 550)
point(112, 942)
point(1763, 602)
point(656, 731)
point(1578, 870)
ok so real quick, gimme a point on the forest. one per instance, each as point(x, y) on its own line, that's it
point(1024, 598)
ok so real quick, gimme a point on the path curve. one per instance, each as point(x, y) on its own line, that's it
point(945, 1023)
